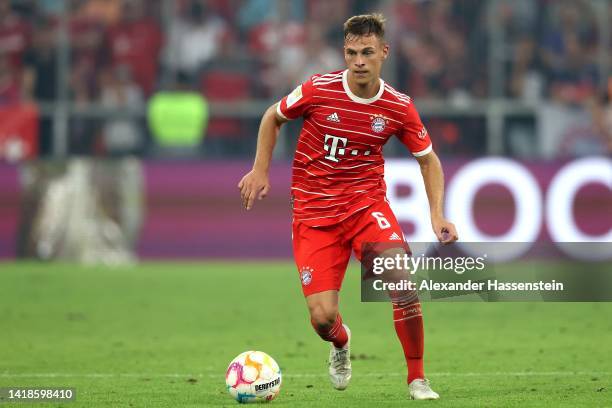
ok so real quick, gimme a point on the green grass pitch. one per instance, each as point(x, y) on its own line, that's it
point(162, 335)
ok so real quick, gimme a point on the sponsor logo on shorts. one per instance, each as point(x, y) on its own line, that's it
point(394, 237)
point(306, 275)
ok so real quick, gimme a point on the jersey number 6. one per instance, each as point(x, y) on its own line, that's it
point(382, 221)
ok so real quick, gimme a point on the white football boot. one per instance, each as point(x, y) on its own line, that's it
point(420, 390)
point(340, 363)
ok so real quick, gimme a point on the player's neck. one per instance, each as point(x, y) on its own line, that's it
point(365, 91)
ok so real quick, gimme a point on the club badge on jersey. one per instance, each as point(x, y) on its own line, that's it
point(378, 123)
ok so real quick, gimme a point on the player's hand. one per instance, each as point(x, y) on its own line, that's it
point(255, 184)
point(445, 230)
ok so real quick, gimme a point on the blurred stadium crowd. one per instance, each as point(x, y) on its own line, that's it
point(454, 57)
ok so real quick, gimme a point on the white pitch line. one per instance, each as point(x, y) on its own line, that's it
point(308, 375)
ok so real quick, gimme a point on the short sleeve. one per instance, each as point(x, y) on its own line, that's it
point(414, 134)
point(297, 102)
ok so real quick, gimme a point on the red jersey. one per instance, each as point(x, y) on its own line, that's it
point(338, 167)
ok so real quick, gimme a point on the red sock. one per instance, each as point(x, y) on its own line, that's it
point(408, 322)
point(334, 333)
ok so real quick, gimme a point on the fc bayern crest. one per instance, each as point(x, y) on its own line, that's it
point(306, 275)
point(378, 124)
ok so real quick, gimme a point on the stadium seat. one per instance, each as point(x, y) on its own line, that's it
point(224, 86)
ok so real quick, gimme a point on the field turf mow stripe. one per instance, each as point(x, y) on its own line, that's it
point(162, 335)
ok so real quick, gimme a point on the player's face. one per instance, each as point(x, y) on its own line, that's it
point(364, 56)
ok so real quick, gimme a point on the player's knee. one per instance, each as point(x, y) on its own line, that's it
point(323, 317)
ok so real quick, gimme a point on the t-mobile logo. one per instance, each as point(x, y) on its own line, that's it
point(333, 149)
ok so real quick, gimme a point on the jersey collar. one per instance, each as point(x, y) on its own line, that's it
point(354, 97)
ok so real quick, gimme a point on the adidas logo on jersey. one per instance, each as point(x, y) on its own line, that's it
point(333, 117)
point(395, 237)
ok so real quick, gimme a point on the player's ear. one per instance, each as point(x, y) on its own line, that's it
point(385, 50)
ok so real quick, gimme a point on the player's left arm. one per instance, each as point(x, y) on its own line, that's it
point(433, 177)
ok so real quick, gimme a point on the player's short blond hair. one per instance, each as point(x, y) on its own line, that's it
point(365, 24)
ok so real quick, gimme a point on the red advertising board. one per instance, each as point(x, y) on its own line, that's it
point(193, 208)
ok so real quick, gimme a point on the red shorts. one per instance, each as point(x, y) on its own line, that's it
point(322, 253)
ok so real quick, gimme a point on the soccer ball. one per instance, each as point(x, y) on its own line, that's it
point(253, 376)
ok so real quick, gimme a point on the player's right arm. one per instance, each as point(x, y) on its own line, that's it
point(256, 183)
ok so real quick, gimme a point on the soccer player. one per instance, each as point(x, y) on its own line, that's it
point(338, 191)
